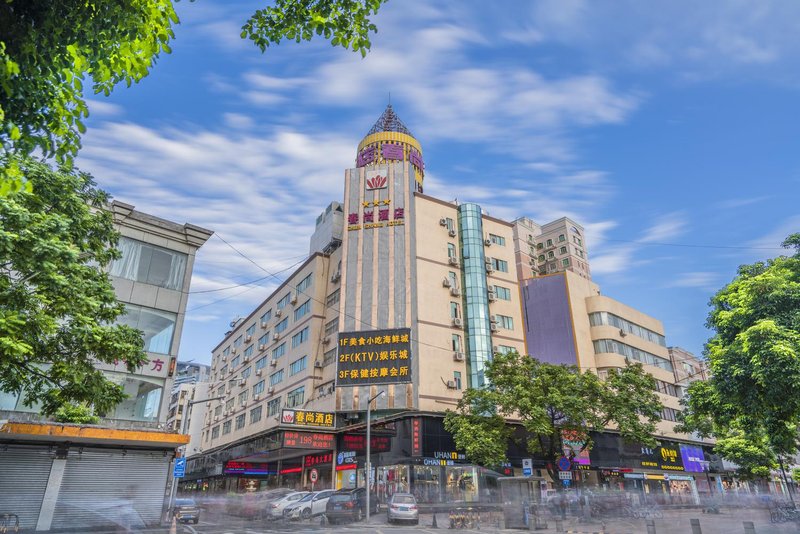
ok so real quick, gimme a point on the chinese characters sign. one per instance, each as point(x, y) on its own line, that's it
point(308, 440)
point(416, 437)
point(304, 418)
point(246, 468)
point(318, 459)
point(366, 156)
point(374, 357)
point(572, 447)
point(389, 151)
point(358, 442)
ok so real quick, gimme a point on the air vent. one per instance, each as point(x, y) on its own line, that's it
point(454, 291)
point(451, 233)
point(446, 282)
point(458, 356)
point(442, 222)
point(487, 242)
point(452, 260)
point(458, 322)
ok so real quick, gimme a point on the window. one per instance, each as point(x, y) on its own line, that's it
point(549, 242)
point(300, 338)
point(303, 309)
point(243, 398)
point(305, 283)
point(261, 363)
point(455, 310)
point(562, 238)
point(505, 349)
point(456, 342)
point(295, 397)
point(158, 326)
point(297, 365)
point(502, 292)
point(332, 299)
point(579, 252)
point(255, 414)
point(331, 327)
point(263, 340)
point(266, 316)
point(226, 427)
point(279, 351)
point(246, 373)
point(500, 265)
point(229, 404)
point(273, 407)
point(577, 241)
point(497, 240)
point(281, 326)
point(562, 250)
point(669, 414)
point(615, 347)
point(329, 357)
point(258, 389)
point(504, 321)
point(251, 330)
point(276, 378)
point(541, 257)
point(227, 351)
point(284, 301)
point(551, 255)
point(215, 432)
point(453, 279)
point(606, 318)
point(235, 362)
point(457, 379)
point(224, 370)
point(450, 223)
point(218, 410)
point(539, 246)
point(451, 250)
point(666, 388)
point(149, 264)
point(238, 342)
point(565, 262)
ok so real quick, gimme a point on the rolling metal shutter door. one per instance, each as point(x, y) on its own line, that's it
point(103, 487)
point(24, 472)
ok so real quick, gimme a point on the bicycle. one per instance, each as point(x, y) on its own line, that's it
point(9, 520)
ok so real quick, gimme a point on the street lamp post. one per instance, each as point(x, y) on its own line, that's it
point(368, 464)
point(174, 488)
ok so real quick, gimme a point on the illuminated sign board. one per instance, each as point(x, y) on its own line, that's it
point(374, 357)
point(306, 418)
point(318, 459)
point(308, 440)
point(246, 468)
point(358, 442)
point(693, 458)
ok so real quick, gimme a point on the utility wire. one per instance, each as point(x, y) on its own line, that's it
point(686, 245)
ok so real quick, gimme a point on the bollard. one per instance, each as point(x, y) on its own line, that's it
point(651, 526)
point(559, 525)
point(695, 526)
point(749, 528)
point(434, 524)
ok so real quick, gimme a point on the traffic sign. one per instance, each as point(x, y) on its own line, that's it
point(313, 475)
point(527, 467)
point(565, 475)
point(180, 468)
point(564, 464)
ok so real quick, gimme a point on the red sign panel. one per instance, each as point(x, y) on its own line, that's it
point(416, 437)
point(358, 442)
point(318, 459)
point(309, 440)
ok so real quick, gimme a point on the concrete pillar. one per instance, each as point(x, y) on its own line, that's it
point(51, 494)
point(695, 523)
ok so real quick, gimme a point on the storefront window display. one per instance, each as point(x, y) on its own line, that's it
point(427, 483)
point(461, 483)
point(390, 480)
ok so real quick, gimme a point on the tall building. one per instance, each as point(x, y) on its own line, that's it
point(688, 368)
point(88, 476)
point(190, 373)
point(553, 247)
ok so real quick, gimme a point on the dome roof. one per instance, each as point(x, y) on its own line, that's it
point(389, 122)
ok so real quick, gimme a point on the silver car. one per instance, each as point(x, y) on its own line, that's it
point(402, 507)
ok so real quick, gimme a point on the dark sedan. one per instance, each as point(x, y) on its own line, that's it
point(349, 504)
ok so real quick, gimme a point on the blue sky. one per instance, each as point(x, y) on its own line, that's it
point(652, 125)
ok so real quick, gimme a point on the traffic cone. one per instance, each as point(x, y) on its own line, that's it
point(434, 525)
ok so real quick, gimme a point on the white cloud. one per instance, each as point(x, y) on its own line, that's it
point(699, 279)
point(735, 203)
point(103, 109)
point(665, 228)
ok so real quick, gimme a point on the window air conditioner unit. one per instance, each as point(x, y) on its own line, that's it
point(259, 372)
point(246, 359)
point(451, 384)
point(274, 363)
point(487, 242)
point(457, 321)
point(489, 268)
point(256, 397)
point(454, 291)
point(493, 327)
point(242, 383)
point(270, 390)
point(458, 356)
point(216, 418)
point(622, 332)
point(248, 338)
point(446, 282)
point(318, 364)
point(492, 296)
point(326, 340)
point(452, 260)
point(262, 346)
point(336, 276)
point(451, 233)
point(264, 324)
point(495, 349)
point(442, 222)
point(225, 413)
point(293, 300)
point(493, 318)
point(276, 336)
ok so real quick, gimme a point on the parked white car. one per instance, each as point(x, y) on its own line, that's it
point(309, 506)
point(275, 508)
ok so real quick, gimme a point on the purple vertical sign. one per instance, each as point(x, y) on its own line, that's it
point(415, 158)
point(693, 458)
point(366, 156)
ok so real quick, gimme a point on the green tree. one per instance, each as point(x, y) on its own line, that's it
point(751, 403)
point(549, 400)
point(50, 48)
point(56, 321)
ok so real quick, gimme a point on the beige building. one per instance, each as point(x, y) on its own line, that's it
point(554, 247)
point(688, 367)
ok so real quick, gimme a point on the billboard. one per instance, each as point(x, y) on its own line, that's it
point(374, 357)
